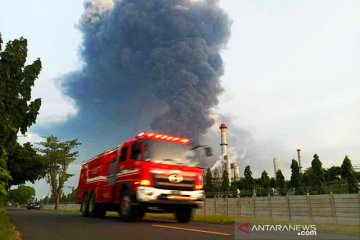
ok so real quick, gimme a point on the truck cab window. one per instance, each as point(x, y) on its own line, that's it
point(135, 151)
point(123, 154)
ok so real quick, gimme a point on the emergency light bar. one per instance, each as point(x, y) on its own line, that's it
point(151, 135)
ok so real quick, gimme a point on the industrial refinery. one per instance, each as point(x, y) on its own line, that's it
point(231, 165)
point(227, 163)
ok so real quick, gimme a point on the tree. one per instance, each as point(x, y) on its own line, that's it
point(348, 173)
point(357, 174)
point(318, 177)
point(308, 177)
point(45, 200)
point(273, 182)
point(352, 182)
point(17, 111)
point(333, 174)
point(58, 155)
point(71, 197)
point(280, 183)
point(296, 178)
point(25, 164)
point(346, 168)
point(265, 182)
point(22, 195)
point(209, 187)
point(249, 182)
point(225, 184)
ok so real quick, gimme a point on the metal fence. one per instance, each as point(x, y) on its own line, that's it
point(312, 190)
point(325, 208)
point(63, 206)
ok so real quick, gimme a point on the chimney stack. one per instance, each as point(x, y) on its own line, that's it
point(236, 172)
point(299, 160)
point(224, 150)
point(276, 166)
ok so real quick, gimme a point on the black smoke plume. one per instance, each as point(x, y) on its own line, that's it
point(150, 63)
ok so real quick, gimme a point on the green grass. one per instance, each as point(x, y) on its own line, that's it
point(339, 228)
point(7, 229)
point(325, 228)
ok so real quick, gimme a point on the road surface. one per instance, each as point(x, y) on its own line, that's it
point(38, 225)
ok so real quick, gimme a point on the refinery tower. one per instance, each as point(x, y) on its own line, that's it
point(228, 166)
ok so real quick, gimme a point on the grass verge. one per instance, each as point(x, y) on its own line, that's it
point(7, 229)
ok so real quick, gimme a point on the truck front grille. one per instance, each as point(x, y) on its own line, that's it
point(162, 181)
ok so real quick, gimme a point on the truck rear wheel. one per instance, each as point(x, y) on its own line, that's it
point(95, 209)
point(127, 211)
point(184, 214)
point(84, 209)
point(140, 214)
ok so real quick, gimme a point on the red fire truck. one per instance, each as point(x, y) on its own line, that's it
point(149, 173)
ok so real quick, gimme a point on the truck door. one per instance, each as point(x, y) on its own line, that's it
point(122, 160)
point(127, 168)
point(112, 172)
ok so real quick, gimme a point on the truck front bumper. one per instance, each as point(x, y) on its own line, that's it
point(150, 195)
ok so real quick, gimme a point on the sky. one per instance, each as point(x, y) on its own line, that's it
point(291, 77)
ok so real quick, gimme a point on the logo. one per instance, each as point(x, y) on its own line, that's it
point(244, 228)
point(304, 230)
point(175, 178)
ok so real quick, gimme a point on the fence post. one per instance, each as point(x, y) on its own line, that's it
point(215, 204)
point(227, 206)
point(204, 206)
point(254, 202)
point(309, 206)
point(288, 204)
point(269, 205)
point(333, 208)
point(241, 207)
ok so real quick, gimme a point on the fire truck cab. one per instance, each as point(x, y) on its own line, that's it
point(149, 173)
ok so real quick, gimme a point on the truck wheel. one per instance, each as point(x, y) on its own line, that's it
point(127, 211)
point(140, 214)
point(184, 214)
point(101, 212)
point(84, 209)
point(95, 209)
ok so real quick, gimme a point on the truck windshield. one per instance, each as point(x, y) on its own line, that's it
point(169, 153)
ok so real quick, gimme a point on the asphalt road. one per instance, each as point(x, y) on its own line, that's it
point(38, 225)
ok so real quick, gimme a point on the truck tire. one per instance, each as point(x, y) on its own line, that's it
point(184, 214)
point(128, 212)
point(140, 214)
point(84, 209)
point(95, 209)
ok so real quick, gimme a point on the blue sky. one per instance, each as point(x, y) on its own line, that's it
point(291, 75)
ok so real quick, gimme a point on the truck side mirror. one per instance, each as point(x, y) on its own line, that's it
point(208, 151)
